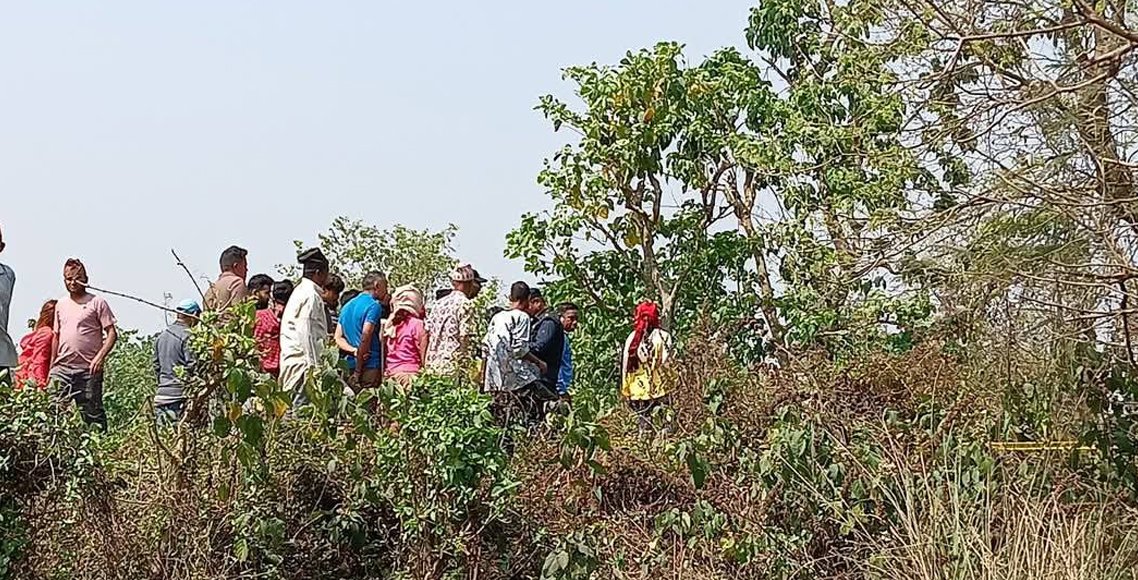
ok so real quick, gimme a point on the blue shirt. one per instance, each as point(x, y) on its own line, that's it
point(353, 315)
point(565, 376)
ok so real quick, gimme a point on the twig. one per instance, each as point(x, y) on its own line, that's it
point(142, 300)
point(187, 270)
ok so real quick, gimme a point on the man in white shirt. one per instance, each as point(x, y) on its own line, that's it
point(7, 347)
point(304, 326)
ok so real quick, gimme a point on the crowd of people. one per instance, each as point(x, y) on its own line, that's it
point(524, 359)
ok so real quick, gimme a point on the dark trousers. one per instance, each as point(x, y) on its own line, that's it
point(525, 405)
point(86, 389)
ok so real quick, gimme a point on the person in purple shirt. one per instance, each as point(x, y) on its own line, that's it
point(569, 318)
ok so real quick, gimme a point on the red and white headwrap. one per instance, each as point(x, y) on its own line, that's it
point(644, 321)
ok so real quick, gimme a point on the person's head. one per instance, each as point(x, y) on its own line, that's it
point(281, 292)
point(645, 319)
point(479, 281)
point(47, 315)
point(537, 303)
point(75, 277)
point(315, 266)
point(568, 313)
point(261, 289)
point(375, 283)
point(1, 240)
point(188, 312)
point(348, 295)
point(519, 296)
point(235, 260)
point(406, 302)
point(462, 279)
point(331, 290)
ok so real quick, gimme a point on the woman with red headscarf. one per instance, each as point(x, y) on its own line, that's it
point(35, 350)
point(645, 358)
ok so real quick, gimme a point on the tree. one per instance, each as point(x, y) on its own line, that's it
point(354, 248)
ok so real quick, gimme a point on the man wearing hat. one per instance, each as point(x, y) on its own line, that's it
point(451, 324)
point(172, 352)
point(304, 325)
point(84, 336)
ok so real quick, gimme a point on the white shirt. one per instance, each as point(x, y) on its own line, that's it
point(304, 328)
point(657, 341)
point(507, 343)
point(7, 347)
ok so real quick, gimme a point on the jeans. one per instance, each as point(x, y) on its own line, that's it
point(86, 389)
point(168, 414)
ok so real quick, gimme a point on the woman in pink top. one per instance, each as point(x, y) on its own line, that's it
point(35, 350)
point(405, 335)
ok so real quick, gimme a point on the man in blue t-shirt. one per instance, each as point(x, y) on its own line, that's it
point(358, 333)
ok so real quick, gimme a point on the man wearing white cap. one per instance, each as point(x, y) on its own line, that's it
point(450, 325)
point(172, 352)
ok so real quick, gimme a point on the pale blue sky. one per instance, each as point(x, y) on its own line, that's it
point(128, 128)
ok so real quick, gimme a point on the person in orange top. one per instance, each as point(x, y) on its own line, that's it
point(35, 350)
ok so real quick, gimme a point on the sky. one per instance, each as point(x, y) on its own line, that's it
point(128, 129)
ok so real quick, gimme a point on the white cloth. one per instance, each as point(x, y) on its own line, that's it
point(507, 343)
point(304, 328)
point(646, 349)
point(7, 347)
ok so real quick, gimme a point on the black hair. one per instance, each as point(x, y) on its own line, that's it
point(347, 296)
point(519, 292)
point(260, 282)
point(442, 293)
point(281, 291)
point(493, 311)
point(566, 307)
point(335, 283)
point(232, 256)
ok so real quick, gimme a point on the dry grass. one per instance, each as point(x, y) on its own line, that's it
point(944, 533)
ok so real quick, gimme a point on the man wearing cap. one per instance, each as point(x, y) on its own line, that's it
point(84, 334)
point(230, 288)
point(172, 352)
point(7, 347)
point(451, 325)
point(304, 326)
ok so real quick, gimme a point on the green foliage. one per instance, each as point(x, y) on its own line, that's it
point(407, 256)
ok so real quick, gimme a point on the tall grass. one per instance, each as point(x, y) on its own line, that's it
point(957, 528)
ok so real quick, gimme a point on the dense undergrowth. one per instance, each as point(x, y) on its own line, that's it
point(878, 468)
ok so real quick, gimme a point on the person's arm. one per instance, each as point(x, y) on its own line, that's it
point(543, 338)
point(342, 341)
point(466, 327)
point(304, 318)
point(363, 351)
point(54, 352)
point(424, 342)
point(157, 361)
point(565, 380)
point(110, 336)
point(367, 335)
point(520, 345)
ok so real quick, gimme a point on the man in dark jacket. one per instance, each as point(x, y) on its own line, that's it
point(547, 343)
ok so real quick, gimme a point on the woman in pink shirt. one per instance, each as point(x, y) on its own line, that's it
point(35, 350)
point(405, 335)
